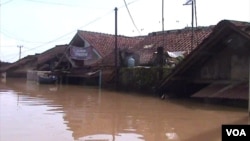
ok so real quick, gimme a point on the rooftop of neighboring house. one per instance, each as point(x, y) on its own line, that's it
point(244, 26)
point(184, 40)
point(54, 52)
point(18, 63)
point(3, 64)
point(105, 43)
point(40, 58)
point(172, 41)
point(144, 46)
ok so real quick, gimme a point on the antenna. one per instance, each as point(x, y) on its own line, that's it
point(194, 17)
point(163, 36)
point(162, 15)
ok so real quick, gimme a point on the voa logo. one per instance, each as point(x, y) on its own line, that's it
point(236, 132)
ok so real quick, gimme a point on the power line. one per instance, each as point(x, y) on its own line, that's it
point(51, 3)
point(8, 46)
point(73, 31)
point(8, 34)
point(1, 4)
point(131, 17)
point(56, 39)
point(89, 23)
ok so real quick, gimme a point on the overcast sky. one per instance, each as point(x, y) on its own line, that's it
point(38, 25)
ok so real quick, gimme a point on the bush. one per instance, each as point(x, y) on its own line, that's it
point(141, 78)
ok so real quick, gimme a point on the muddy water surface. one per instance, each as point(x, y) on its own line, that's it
point(31, 112)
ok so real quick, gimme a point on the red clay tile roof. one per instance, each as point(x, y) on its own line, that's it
point(145, 46)
point(3, 64)
point(173, 40)
point(51, 53)
point(18, 63)
point(40, 58)
point(105, 43)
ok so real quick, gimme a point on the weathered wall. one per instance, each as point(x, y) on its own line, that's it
point(216, 68)
point(230, 64)
point(239, 67)
point(21, 70)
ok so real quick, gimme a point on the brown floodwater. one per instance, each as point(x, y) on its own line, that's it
point(32, 112)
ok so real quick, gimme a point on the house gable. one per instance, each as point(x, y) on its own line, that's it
point(104, 45)
point(79, 41)
point(222, 57)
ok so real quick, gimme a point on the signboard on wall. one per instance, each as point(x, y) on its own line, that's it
point(81, 53)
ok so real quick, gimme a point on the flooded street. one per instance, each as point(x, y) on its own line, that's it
point(32, 112)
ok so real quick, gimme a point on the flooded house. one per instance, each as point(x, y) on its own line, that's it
point(34, 63)
point(157, 54)
point(99, 50)
point(218, 68)
point(87, 53)
point(48, 60)
point(20, 67)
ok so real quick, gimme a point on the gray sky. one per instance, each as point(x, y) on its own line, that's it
point(39, 25)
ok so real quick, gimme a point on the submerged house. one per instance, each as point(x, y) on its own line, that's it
point(20, 67)
point(96, 51)
point(86, 53)
point(45, 61)
point(89, 52)
point(48, 60)
point(217, 68)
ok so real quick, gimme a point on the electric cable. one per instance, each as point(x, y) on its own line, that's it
point(131, 17)
point(51, 3)
point(1, 4)
point(73, 31)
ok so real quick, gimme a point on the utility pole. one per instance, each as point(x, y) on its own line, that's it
point(160, 50)
point(116, 51)
point(163, 35)
point(192, 36)
point(193, 17)
point(20, 51)
point(162, 15)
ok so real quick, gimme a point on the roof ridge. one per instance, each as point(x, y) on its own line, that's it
point(186, 29)
point(109, 34)
point(94, 32)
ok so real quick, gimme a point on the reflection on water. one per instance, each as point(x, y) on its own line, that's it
point(48, 112)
